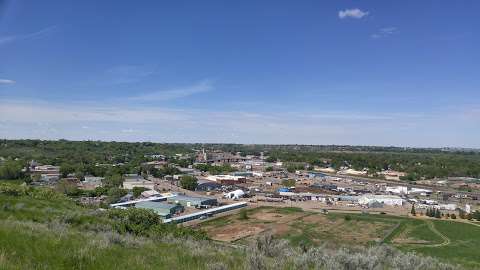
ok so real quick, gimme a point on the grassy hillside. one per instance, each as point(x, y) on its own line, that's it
point(42, 229)
point(455, 241)
point(448, 241)
point(45, 230)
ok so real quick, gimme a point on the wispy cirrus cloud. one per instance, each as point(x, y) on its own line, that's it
point(384, 32)
point(123, 74)
point(6, 81)
point(353, 13)
point(37, 34)
point(199, 87)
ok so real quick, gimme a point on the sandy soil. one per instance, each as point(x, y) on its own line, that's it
point(234, 232)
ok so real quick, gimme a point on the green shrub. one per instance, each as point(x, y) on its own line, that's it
point(137, 191)
point(13, 190)
point(243, 214)
point(133, 220)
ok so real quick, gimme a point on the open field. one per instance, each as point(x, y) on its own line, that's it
point(301, 227)
point(455, 242)
point(450, 241)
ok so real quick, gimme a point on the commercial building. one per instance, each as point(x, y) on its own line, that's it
point(218, 158)
point(390, 200)
point(397, 190)
point(208, 185)
point(244, 174)
point(45, 173)
point(316, 174)
point(133, 180)
point(189, 201)
point(165, 210)
point(402, 190)
point(45, 169)
point(206, 213)
point(227, 179)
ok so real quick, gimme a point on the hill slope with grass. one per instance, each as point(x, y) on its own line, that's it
point(42, 229)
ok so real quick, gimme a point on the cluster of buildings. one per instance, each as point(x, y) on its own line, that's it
point(258, 179)
point(44, 173)
point(51, 175)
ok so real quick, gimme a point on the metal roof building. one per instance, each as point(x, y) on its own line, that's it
point(193, 201)
point(207, 185)
point(206, 213)
point(165, 210)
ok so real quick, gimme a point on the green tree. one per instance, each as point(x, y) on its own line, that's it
point(137, 191)
point(111, 181)
point(115, 193)
point(68, 188)
point(413, 212)
point(476, 215)
point(11, 169)
point(66, 169)
point(189, 182)
point(271, 159)
point(288, 182)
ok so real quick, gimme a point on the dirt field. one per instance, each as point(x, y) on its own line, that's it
point(297, 226)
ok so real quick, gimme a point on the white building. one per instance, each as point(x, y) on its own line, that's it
point(224, 177)
point(420, 191)
point(385, 199)
point(401, 190)
point(397, 190)
point(132, 181)
point(235, 195)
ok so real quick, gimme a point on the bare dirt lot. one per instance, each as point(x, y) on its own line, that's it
point(297, 226)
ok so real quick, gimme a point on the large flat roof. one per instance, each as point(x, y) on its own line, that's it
point(190, 198)
point(155, 205)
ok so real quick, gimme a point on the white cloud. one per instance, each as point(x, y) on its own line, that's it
point(40, 33)
point(6, 81)
point(200, 87)
point(384, 32)
point(130, 122)
point(354, 13)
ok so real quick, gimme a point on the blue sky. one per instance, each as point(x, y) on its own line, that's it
point(403, 73)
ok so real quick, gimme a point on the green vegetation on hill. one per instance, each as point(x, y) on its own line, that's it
point(459, 246)
point(43, 229)
point(305, 230)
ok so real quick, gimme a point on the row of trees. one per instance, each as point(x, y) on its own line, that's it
point(213, 169)
point(433, 212)
point(416, 165)
point(436, 213)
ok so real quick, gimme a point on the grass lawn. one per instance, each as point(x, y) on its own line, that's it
point(462, 249)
